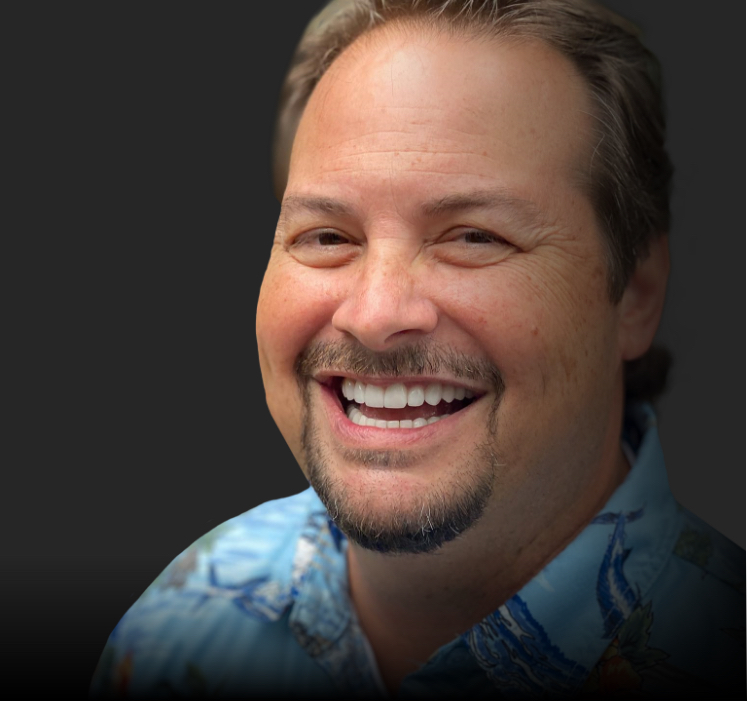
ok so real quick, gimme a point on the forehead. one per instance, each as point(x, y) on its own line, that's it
point(427, 110)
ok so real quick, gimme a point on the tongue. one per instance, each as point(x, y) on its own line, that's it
point(426, 411)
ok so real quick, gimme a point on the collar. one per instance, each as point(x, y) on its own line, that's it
point(551, 633)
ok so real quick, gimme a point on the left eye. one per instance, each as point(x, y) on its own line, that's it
point(477, 236)
point(472, 248)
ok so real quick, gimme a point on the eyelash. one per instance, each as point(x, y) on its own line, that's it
point(316, 238)
point(484, 235)
point(330, 234)
point(461, 246)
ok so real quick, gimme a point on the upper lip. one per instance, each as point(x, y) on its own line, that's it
point(324, 377)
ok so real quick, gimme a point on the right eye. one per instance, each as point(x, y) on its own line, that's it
point(324, 248)
point(330, 238)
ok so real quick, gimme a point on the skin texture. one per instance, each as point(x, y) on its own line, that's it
point(518, 285)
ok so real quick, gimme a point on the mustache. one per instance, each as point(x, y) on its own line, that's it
point(413, 359)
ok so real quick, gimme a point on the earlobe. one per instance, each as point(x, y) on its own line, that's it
point(643, 300)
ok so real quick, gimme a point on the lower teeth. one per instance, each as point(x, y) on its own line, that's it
point(357, 417)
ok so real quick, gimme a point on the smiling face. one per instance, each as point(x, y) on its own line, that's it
point(435, 335)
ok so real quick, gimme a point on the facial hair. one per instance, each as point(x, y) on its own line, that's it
point(445, 509)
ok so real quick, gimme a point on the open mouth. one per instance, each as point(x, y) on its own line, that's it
point(399, 405)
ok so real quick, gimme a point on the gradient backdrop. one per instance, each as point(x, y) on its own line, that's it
point(144, 134)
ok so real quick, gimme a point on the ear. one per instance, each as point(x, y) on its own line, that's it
point(643, 300)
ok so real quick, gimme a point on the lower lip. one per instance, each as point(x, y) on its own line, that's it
point(352, 434)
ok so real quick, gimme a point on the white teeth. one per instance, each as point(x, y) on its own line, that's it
point(416, 396)
point(360, 392)
point(348, 388)
point(395, 397)
point(357, 417)
point(433, 394)
point(398, 396)
point(374, 396)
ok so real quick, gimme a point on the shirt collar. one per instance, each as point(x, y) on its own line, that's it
point(552, 632)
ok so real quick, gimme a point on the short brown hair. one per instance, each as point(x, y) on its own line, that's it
point(629, 174)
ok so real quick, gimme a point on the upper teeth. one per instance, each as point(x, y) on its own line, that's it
point(397, 396)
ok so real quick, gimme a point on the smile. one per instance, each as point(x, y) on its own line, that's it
point(400, 405)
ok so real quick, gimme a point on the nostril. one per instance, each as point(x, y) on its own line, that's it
point(382, 315)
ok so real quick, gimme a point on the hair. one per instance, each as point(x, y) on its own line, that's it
point(629, 173)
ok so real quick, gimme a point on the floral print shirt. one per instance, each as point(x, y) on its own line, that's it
point(647, 601)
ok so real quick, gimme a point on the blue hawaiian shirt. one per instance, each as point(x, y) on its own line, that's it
point(647, 600)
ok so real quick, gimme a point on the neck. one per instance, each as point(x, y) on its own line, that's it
point(410, 605)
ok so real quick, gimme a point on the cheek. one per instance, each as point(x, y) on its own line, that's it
point(294, 308)
point(294, 305)
point(500, 312)
point(538, 326)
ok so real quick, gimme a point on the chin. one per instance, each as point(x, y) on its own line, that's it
point(381, 503)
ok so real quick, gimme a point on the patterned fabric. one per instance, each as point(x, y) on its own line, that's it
point(647, 600)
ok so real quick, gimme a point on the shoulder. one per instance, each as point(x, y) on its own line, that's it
point(711, 552)
point(703, 585)
point(696, 615)
point(257, 546)
point(225, 598)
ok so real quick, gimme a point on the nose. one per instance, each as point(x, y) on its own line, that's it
point(386, 302)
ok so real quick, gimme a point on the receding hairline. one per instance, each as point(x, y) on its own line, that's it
point(430, 27)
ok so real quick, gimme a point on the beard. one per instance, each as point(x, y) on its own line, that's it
point(401, 524)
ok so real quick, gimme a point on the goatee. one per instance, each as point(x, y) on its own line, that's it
point(444, 509)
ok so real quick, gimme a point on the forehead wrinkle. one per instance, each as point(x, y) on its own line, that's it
point(417, 130)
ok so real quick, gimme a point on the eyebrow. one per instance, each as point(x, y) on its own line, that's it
point(295, 204)
point(526, 210)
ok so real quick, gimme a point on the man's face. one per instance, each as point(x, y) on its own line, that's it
point(436, 246)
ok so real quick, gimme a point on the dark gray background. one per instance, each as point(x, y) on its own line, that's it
point(146, 213)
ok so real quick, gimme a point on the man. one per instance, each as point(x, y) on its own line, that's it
point(454, 331)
